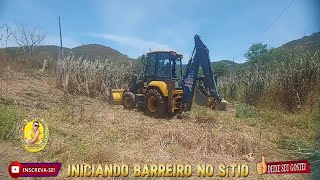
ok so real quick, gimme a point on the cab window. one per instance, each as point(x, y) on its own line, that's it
point(151, 62)
point(163, 66)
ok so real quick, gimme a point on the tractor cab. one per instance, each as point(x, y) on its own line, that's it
point(163, 66)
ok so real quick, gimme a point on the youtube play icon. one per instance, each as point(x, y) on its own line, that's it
point(15, 169)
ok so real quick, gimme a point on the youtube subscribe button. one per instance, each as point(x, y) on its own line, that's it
point(17, 169)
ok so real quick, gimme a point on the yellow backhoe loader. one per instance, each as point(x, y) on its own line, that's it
point(164, 90)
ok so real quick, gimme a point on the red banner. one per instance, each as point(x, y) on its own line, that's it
point(17, 169)
point(299, 166)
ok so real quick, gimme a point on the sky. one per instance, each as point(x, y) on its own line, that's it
point(227, 27)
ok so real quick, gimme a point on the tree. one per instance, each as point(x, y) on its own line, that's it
point(256, 50)
point(28, 38)
point(221, 69)
point(5, 35)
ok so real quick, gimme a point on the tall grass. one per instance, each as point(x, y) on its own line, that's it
point(94, 77)
point(282, 79)
point(8, 120)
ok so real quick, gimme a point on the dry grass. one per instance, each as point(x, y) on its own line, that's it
point(89, 130)
point(94, 77)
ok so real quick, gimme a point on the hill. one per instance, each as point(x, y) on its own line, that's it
point(91, 51)
point(311, 43)
point(224, 67)
point(230, 64)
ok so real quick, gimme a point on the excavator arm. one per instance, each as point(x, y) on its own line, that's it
point(199, 57)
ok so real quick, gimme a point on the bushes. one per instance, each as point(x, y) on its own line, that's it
point(283, 79)
point(8, 120)
point(94, 77)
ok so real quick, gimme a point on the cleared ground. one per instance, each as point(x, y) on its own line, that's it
point(83, 129)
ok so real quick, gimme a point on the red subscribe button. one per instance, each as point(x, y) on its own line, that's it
point(17, 169)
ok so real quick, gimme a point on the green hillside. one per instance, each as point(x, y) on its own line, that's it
point(310, 43)
point(225, 67)
point(90, 51)
point(229, 63)
point(93, 51)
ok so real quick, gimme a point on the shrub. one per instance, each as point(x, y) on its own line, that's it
point(8, 120)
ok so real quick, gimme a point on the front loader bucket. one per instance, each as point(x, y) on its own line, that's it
point(116, 96)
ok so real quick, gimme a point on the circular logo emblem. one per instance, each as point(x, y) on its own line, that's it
point(34, 134)
point(15, 169)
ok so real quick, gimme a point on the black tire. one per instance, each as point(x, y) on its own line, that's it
point(141, 106)
point(128, 100)
point(156, 104)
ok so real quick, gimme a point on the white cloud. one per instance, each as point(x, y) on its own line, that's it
point(134, 42)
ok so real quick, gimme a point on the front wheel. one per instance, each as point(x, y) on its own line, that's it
point(156, 104)
point(128, 100)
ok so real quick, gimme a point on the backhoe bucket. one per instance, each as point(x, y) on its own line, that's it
point(116, 96)
point(203, 99)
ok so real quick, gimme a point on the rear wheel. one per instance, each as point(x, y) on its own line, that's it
point(128, 100)
point(156, 104)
